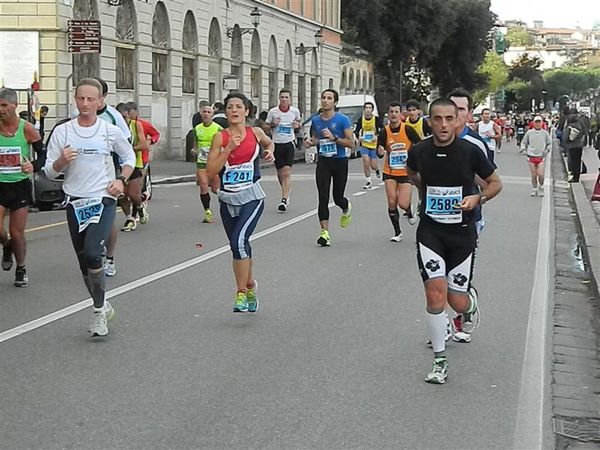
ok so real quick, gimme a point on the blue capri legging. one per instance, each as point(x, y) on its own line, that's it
point(239, 223)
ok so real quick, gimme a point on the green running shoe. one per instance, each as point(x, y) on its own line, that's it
point(252, 300)
point(324, 239)
point(346, 216)
point(241, 303)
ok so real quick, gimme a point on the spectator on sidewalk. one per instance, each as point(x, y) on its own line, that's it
point(573, 138)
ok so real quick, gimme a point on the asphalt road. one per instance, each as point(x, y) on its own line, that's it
point(335, 358)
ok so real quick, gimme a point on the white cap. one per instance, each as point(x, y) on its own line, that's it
point(536, 118)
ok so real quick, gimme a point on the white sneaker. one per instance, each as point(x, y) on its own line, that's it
point(368, 185)
point(541, 191)
point(534, 193)
point(396, 238)
point(110, 270)
point(98, 325)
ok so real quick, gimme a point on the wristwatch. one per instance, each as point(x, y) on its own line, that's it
point(482, 199)
point(123, 179)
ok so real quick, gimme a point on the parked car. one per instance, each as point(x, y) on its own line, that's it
point(46, 192)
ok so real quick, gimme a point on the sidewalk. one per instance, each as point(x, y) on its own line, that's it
point(575, 316)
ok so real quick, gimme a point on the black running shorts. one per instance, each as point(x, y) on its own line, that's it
point(448, 252)
point(15, 196)
point(284, 154)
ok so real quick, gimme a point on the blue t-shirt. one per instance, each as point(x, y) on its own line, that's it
point(338, 125)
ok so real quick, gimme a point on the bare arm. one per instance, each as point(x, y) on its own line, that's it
point(217, 156)
point(265, 142)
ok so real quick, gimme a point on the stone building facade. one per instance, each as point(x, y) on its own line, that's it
point(167, 55)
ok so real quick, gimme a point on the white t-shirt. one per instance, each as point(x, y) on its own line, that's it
point(90, 173)
point(112, 116)
point(284, 132)
point(483, 129)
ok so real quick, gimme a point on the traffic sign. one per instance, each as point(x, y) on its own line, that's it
point(84, 36)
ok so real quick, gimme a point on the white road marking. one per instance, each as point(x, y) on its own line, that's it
point(72, 309)
point(359, 193)
point(530, 411)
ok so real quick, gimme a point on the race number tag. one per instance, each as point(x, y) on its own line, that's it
point(441, 201)
point(398, 156)
point(87, 210)
point(203, 154)
point(369, 136)
point(327, 148)
point(10, 160)
point(284, 128)
point(239, 177)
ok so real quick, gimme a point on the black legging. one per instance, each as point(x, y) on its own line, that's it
point(89, 248)
point(574, 162)
point(328, 169)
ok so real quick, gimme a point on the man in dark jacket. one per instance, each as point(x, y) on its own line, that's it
point(573, 138)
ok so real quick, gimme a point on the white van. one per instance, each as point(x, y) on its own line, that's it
point(352, 105)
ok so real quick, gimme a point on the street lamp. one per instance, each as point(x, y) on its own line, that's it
point(254, 19)
point(302, 50)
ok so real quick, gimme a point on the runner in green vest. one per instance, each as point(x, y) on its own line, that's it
point(17, 137)
point(205, 131)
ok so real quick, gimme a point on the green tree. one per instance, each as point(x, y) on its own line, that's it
point(446, 39)
point(496, 75)
point(570, 81)
point(518, 37)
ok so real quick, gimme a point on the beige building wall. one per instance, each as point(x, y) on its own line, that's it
point(171, 111)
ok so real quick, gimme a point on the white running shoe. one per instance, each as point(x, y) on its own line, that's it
point(368, 186)
point(541, 191)
point(396, 238)
point(439, 373)
point(533, 193)
point(98, 326)
point(470, 322)
point(110, 270)
point(458, 334)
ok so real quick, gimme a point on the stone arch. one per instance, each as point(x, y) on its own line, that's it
point(126, 34)
point(237, 54)
point(126, 22)
point(273, 56)
point(288, 66)
point(287, 56)
point(365, 81)
point(85, 65)
point(161, 27)
point(189, 39)
point(256, 71)
point(215, 42)
point(256, 50)
point(315, 64)
point(302, 62)
point(189, 45)
point(351, 80)
point(357, 80)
